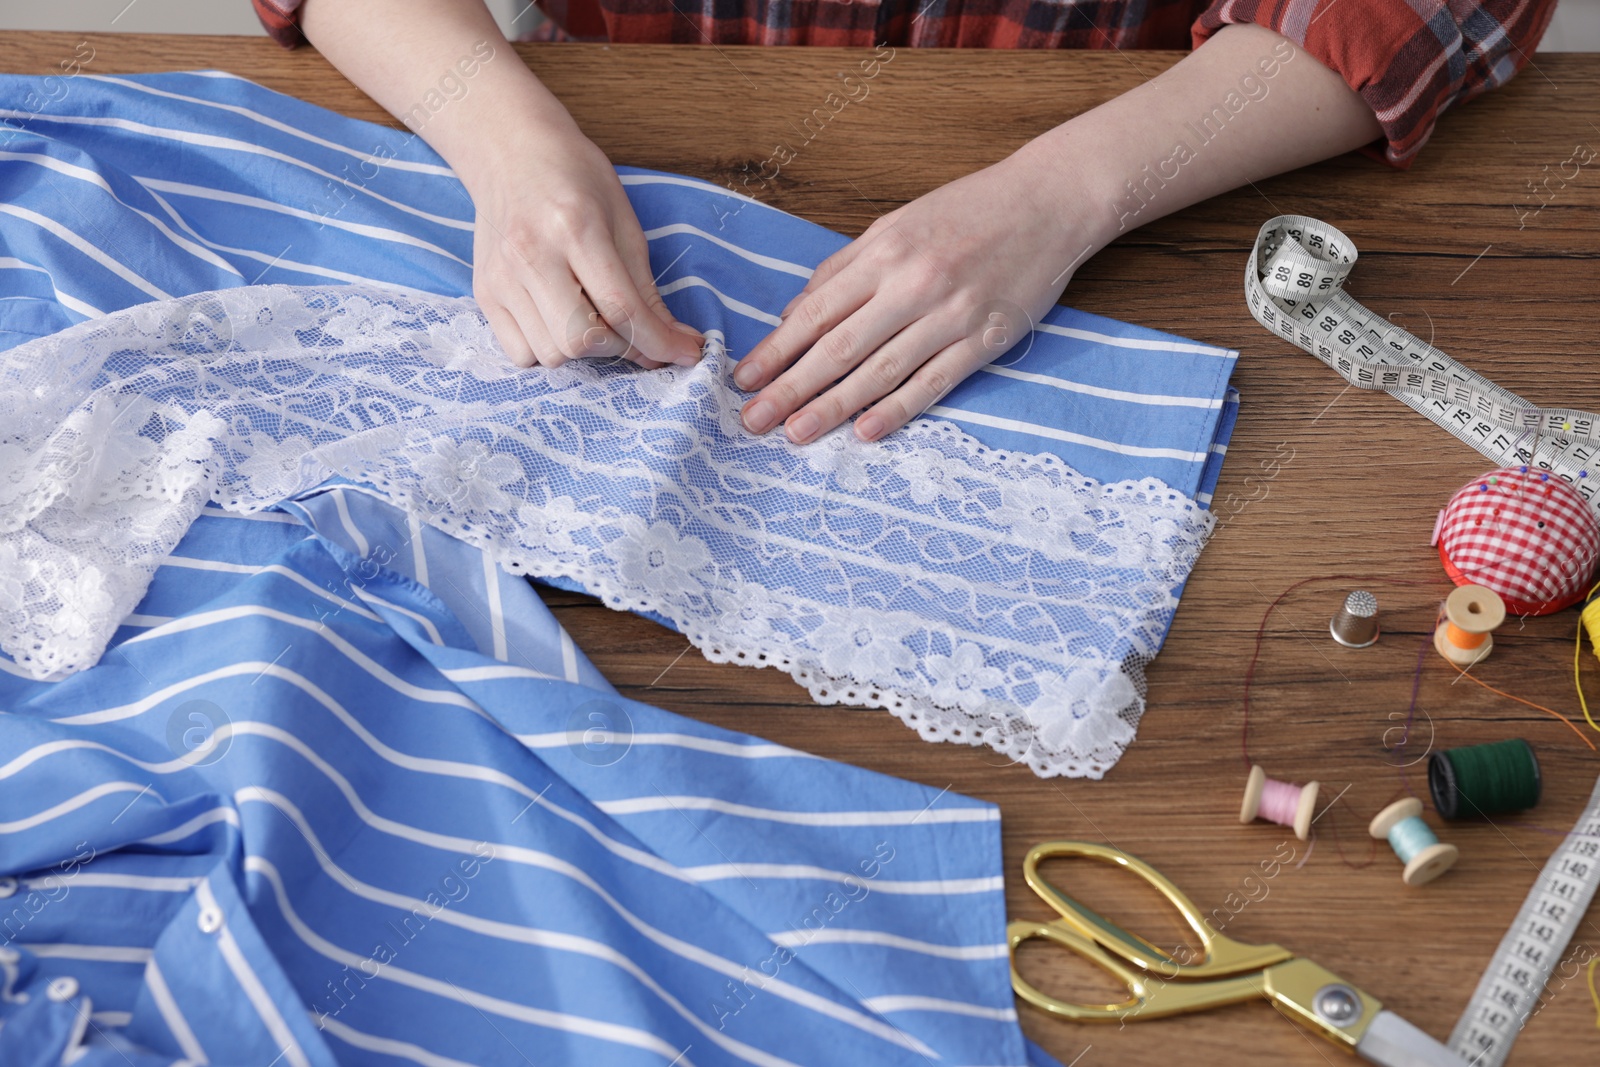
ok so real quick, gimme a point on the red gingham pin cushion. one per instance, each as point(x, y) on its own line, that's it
point(1524, 533)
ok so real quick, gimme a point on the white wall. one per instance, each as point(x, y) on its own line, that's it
point(179, 16)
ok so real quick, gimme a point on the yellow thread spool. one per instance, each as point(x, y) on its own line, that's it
point(1471, 614)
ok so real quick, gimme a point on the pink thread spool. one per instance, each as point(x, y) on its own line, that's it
point(1284, 803)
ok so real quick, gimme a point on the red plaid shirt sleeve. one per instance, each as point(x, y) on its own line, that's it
point(1409, 60)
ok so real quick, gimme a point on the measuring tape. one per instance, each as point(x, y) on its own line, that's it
point(1294, 285)
point(1510, 987)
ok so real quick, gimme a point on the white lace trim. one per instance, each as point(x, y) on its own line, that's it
point(982, 596)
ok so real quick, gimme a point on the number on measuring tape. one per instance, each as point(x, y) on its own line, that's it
point(1511, 986)
point(1294, 286)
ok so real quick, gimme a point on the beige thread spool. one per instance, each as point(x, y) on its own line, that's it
point(1283, 806)
point(1425, 856)
point(1471, 614)
point(1356, 624)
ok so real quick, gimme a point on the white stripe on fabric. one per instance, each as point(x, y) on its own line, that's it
point(113, 1018)
point(1037, 430)
point(497, 614)
point(71, 804)
point(276, 1024)
point(829, 935)
point(144, 622)
point(689, 183)
point(495, 673)
point(91, 953)
point(231, 144)
point(564, 738)
point(557, 865)
point(770, 262)
point(71, 302)
point(116, 267)
point(151, 883)
point(388, 1046)
point(1067, 385)
point(361, 229)
point(640, 805)
point(419, 556)
point(501, 931)
point(714, 872)
point(234, 670)
point(749, 311)
point(254, 516)
point(885, 1005)
point(196, 564)
point(172, 1015)
point(356, 536)
point(281, 127)
point(437, 767)
point(280, 260)
point(422, 620)
point(84, 174)
point(569, 655)
point(565, 1022)
point(1147, 345)
point(194, 825)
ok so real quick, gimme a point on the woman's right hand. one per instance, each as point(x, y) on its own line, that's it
point(561, 268)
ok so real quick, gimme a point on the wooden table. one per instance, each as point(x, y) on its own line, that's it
point(1320, 481)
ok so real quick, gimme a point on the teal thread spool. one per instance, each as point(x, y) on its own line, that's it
point(1484, 780)
point(1424, 856)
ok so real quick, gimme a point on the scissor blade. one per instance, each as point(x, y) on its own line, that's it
point(1392, 1042)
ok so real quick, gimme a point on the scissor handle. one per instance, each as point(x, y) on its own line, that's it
point(1222, 955)
point(1148, 996)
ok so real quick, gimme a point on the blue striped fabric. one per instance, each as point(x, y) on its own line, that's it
point(119, 190)
point(419, 845)
point(303, 812)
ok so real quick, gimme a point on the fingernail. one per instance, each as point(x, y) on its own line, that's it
point(803, 427)
point(869, 427)
point(759, 416)
point(746, 375)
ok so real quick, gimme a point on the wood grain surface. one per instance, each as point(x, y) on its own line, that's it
point(1321, 483)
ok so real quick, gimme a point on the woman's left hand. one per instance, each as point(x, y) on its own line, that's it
point(928, 294)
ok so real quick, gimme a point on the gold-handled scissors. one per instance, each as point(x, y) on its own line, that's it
point(1224, 971)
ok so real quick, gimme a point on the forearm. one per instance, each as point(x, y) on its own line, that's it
point(1246, 105)
point(444, 69)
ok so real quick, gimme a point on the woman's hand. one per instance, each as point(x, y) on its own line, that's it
point(928, 294)
point(561, 268)
point(901, 315)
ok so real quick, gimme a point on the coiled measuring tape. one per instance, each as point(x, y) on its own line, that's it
point(1509, 990)
point(1294, 284)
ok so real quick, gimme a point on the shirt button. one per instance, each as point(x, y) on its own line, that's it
point(62, 988)
point(8, 886)
point(210, 920)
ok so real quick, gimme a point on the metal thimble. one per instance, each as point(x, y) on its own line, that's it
point(1356, 624)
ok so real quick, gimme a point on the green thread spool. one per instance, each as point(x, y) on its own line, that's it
point(1484, 779)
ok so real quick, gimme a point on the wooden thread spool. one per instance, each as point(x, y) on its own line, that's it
point(1471, 614)
point(1284, 803)
point(1425, 857)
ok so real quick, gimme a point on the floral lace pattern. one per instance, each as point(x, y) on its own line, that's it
point(982, 596)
